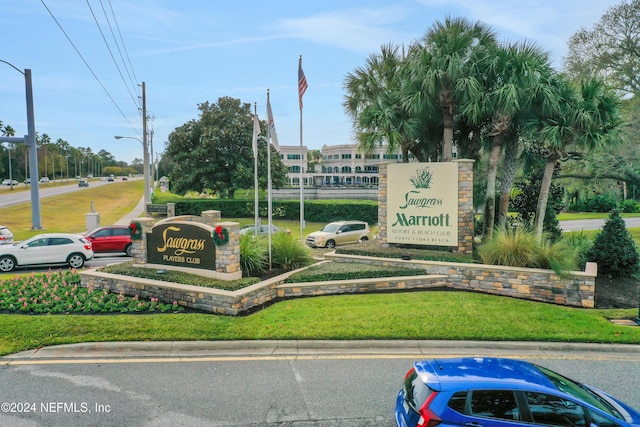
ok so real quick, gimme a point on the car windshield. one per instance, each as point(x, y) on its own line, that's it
point(330, 228)
point(580, 391)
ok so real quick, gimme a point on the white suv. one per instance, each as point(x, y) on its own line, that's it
point(339, 233)
point(6, 236)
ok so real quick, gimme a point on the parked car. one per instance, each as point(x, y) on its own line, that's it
point(46, 249)
point(9, 182)
point(110, 179)
point(44, 179)
point(6, 236)
point(84, 182)
point(111, 238)
point(263, 230)
point(124, 178)
point(496, 392)
point(27, 181)
point(339, 233)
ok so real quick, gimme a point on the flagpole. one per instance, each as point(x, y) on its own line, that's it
point(269, 203)
point(302, 87)
point(255, 173)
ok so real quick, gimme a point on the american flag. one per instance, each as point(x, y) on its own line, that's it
point(302, 82)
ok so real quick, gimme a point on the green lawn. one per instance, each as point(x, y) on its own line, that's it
point(411, 315)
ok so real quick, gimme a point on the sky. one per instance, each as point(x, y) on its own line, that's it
point(89, 58)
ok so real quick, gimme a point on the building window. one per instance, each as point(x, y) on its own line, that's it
point(372, 156)
point(358, 169)
point(346, 169)
point(390, 156)
point(336, 169)
point(371, 169)
point(294, 169)
point(346, 156)
point(358, 156)
point(293, 156)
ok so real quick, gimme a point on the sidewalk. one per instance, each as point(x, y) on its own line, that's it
point(135, 213)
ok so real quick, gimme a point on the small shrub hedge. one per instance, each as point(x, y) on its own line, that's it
point(127, 269)
point(344, 271)
point(403, 251)
point(314, 210)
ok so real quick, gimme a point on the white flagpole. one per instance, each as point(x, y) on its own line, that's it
point(269, 204)
point(255, 173)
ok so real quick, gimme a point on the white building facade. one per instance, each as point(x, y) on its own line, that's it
point(341, 166)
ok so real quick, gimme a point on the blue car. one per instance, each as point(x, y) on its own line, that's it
point(496, 392)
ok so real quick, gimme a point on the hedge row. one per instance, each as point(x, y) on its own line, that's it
point(314, 210)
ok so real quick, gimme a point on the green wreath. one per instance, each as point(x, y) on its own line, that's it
point(135, 230)
point(220, 236)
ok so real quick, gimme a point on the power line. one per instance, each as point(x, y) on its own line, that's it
point(111, 52)
point(88, 66)
point(124, 47)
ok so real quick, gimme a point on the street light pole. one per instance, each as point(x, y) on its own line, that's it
point(30, 141)
point(147, 198)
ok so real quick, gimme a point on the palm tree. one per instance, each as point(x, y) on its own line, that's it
point(587, 117)
point(9, 131)
point(442, 72)
point(373, 101)
point(515, 76)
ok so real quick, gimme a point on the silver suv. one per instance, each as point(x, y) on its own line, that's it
point(339, 233)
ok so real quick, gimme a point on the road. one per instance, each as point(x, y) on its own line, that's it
point(594, 224)
point(301, 386)
point(10, 198)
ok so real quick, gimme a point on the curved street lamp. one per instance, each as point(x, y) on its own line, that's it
point(147, 196)
point(30, 141)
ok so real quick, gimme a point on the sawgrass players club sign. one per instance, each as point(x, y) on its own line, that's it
point(182, 244)
point(422, 204)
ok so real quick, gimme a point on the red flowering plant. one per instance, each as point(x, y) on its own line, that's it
point(220, 235)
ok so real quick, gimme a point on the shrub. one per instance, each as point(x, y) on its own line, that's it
point(614, 250)
point(600, 203)
point(288, 252)
point(346, 271)
point(630, 206)
point(254, 255)
point(516, 248)
point(520, 248)
point(581, 242)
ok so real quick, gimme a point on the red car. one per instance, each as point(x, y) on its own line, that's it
point(111, 238)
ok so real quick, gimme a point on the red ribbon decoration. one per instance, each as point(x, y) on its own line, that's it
point(219, 232)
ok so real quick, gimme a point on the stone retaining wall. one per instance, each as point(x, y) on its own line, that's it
point(218, 301)
point(524, 283)
point(534, 284)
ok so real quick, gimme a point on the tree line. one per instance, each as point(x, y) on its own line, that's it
point(459, 88)
point(59, 160)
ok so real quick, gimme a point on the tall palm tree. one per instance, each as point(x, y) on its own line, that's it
point(442, 73)
point(7, 130)
point(515, 76)
point(587, 118)
point(373, 101)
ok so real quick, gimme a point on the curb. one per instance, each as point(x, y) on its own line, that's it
point(320, 348)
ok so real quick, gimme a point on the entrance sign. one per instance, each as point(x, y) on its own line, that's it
point(422, 204)
point(182, 244)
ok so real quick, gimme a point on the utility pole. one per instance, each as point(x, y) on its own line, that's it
point(147, 198)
